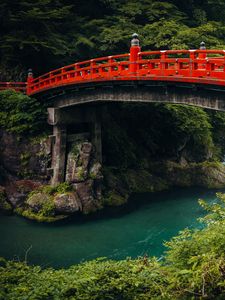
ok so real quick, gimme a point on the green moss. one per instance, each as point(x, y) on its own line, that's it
point(25, 172)
point(80, 174)
point(40, 217)
point(51, 190)
point(75, 150)
point(92, 175)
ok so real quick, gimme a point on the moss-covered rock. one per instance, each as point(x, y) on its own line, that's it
point(206, 174)
point(67, 203)
point(39, 217)
point(119, 184)
point(40, 201)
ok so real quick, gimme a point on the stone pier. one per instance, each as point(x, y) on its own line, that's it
point(60, 119)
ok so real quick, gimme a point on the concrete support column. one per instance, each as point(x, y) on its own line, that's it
point(97, 135)
point(59, 154)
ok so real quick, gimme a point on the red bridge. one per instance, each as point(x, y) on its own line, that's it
point(188, 66)
point(193, 77)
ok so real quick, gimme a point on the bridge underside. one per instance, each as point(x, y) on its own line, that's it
point(205, 96)
point(69, 109)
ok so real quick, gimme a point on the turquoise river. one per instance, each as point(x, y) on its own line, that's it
point(137, 229)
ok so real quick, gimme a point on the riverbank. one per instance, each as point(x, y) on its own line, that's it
point(193, 265)
point(50, 204)
point(160, 176)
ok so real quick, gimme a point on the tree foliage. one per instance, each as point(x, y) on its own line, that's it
point(161, 131)
point(21, 114)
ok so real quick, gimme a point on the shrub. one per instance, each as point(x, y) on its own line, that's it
point(21, 114)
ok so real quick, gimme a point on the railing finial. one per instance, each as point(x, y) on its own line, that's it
point(30, 73)
point(29, 76)
point(202, 46)
point(135, 40)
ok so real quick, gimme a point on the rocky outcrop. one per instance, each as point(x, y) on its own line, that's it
point(205, 174)
point(18, 190)
point(81, 193)
point(84, 173)
point(158, 177)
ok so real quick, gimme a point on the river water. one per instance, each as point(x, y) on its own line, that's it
point(139, 228)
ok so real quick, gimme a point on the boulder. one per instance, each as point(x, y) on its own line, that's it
point(37, 201)
point(85, 193)
point(67, 203)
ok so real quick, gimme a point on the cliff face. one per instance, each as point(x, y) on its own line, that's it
point(23, 164)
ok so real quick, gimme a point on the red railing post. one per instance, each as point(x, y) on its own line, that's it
point(134, 50)
point(30, 78)
point(191, 62)
point(202, 55)
point(163, 57)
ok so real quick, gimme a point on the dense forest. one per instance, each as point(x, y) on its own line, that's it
point(51, 33)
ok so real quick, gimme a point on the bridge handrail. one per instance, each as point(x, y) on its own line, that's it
point(196, 63)
point(18, 86)
point(88, 65)
point(77, 64)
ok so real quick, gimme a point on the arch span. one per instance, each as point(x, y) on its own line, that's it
point(148, 91)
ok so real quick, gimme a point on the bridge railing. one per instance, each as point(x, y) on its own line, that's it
point(104, 68)
point(187, 63)
point(17, 86)
point(182, 65)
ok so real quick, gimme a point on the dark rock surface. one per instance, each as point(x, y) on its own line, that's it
point(23, 158)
